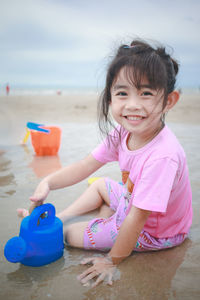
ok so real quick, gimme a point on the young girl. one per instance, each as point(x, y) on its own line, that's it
point(152, 209)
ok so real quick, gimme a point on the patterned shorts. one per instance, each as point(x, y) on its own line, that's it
point(101, 234)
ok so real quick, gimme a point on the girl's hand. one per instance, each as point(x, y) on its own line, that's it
point(40, 193)
point(102, 268)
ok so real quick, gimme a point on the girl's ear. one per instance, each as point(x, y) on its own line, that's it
point(172, 99)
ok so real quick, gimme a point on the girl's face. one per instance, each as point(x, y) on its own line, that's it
point(139, 111)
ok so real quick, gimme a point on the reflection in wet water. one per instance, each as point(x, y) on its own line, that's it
point(7, 179)
point(26, 276)
point(44, 165)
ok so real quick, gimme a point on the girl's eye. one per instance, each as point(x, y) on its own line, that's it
point(147, 93)
point(121, 94)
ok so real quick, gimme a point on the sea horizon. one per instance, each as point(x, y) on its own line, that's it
point(20, 90)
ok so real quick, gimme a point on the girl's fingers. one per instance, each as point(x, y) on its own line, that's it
point(85, 273)
point(110, 276)
point(100, 268)
point(34, 198)
point(99, 279)
point(41, 192)
point(89, 277)
point(37, 198)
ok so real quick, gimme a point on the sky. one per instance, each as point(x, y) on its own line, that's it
point(68, 43)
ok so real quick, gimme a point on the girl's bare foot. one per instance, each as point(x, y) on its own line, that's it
point(22, 212)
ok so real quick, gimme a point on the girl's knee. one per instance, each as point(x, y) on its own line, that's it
point(100, 187)
point(99, 184)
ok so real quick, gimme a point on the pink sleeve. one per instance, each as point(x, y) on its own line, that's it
point(107, 151)
point(152, 192)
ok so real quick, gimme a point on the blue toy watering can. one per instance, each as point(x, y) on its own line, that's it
point(40, 240)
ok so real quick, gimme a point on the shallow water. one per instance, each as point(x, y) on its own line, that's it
point(169, 274)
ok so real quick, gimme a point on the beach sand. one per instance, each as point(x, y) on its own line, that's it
point(82, 108)
point(168, 274)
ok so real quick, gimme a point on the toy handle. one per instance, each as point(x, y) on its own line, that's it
point(36, 222)
point(37, 127)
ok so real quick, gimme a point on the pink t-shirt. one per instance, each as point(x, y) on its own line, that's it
point(158, 171)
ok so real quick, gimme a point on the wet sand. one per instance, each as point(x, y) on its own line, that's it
point(168, 274)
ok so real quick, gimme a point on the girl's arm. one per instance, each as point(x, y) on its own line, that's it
point(66, 176)
point(128, 234)
point(124, 245)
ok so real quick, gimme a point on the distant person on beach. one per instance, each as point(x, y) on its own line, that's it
point(151, 209)
point(7, 89)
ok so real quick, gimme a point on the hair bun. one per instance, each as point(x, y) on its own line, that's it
point(162, 53)
point(176, 65)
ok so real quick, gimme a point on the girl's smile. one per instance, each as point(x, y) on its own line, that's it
point(134, 119)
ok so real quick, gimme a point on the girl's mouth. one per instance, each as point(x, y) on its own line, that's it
point(134, 118)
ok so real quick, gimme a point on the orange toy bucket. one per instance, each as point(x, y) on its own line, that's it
point(46, 143)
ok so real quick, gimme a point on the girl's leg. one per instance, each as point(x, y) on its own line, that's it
point(94, 197)
point(101, 232)
point(74, 234)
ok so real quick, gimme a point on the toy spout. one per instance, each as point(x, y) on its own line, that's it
point(15, 249)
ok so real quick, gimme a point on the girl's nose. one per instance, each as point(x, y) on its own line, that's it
point(133, 103)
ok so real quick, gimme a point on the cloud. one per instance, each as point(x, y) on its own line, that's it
point(61, 34)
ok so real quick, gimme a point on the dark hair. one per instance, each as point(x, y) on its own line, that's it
point(140, 59)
